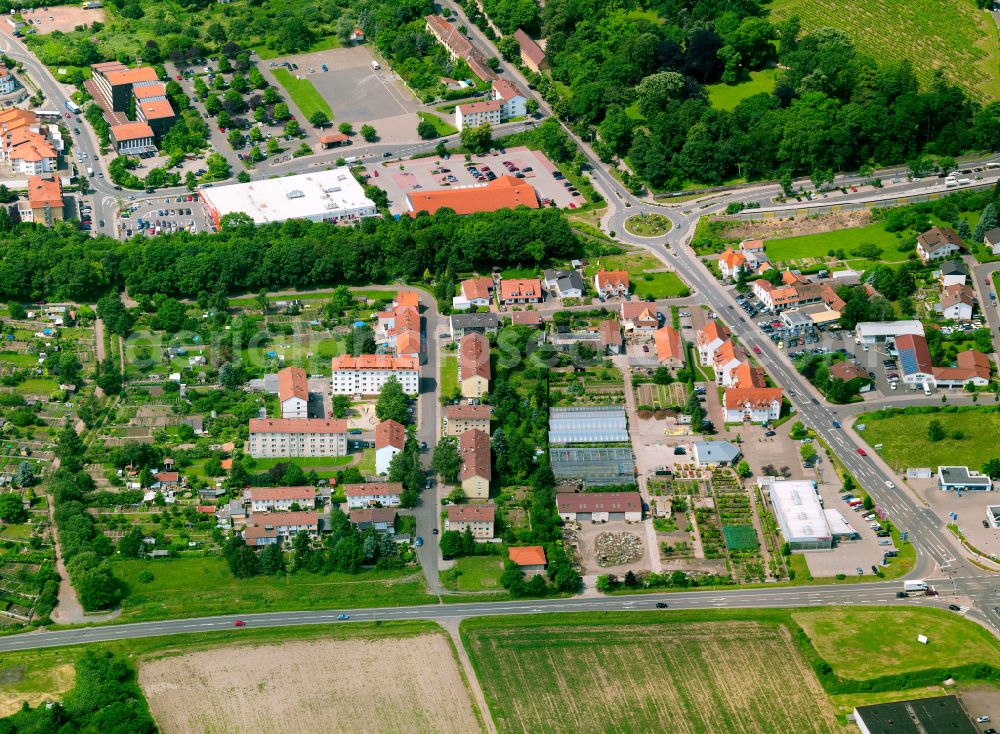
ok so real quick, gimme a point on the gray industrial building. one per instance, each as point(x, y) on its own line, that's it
point(596, 467)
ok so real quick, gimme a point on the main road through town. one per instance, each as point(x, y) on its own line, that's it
point(803, 596)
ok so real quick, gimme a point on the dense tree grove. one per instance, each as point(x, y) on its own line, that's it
point(832, 109)
point(64, 263)
point(106, 699)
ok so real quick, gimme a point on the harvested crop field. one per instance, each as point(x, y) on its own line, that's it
point(349, 685)
point(735, 677)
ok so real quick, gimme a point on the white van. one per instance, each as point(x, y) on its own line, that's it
point(927, 389)
point(375, 65)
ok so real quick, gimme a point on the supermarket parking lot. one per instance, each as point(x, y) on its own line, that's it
point(164, 214)
point(428, 174)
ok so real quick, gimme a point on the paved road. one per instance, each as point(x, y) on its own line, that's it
point(858, 594)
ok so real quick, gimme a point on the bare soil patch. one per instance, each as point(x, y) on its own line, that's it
point(63, 18)
point(18, 684)
point(779, 228)
point(362, 685)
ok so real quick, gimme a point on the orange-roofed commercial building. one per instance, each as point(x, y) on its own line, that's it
point(756, 404)
point(45, 201)
point(157, 112)
point(506, 192)
point(293, 393)
point(302, 437)
point(474, 371)
point(367, 373)
point(332, 140)
point(972, 367)
point(132, 137)
point(515, 291)
point(528, 557)
point(117, 81)
point(669, 347)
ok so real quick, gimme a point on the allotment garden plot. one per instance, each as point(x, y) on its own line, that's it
point(729, 677)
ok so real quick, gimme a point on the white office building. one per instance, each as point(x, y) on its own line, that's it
point(877, 332)
point(799, 513)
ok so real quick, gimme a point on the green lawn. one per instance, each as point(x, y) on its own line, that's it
point(190, 587)
point(727, 96)
point(306, 97)
point(367, 464)
point(818, 245)
point(953, 37)
point(443, 128)
point(37, 387)
point(905, 443)
point(474, 573)
point(19, 359)
point(867, 643)
point(449, 375)
point(307, 462)
point(666, 284)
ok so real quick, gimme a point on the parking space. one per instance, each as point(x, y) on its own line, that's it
point(399, 179)
point(153, 214)
point(356, 92)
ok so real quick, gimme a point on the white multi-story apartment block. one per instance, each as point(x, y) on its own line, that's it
point(267, 499)
point(368, 494)
point(366, 374)
point(478, 113)
point(303, 437)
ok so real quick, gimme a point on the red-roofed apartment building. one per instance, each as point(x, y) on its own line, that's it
point(45, 201)
point(303, 437)
point(732, 263)
point(516, 291)
point(477, 464)
point(532, 54)
point(293, 393)
point(669, 347)
point(475, 292)
point(281, 499)
point(390, 437)
point(506, 192)
point(267, 528)
point(710, 339)
point(756, 404)
point(474, 114)
point(474, 371)
point(399, 327)
point(369, 494)
point(478, 518)
point(367, 373)
point(611, 283)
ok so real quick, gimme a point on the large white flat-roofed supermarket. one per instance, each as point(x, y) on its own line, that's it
point(799, 513)
point(319, 196)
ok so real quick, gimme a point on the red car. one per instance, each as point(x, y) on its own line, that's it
point(239, 623)
point(861, 452)
point(756, 350)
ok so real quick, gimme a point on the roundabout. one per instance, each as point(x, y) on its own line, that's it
point(648, 224)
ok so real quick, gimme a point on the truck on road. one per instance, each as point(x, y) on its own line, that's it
point(916, 585)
